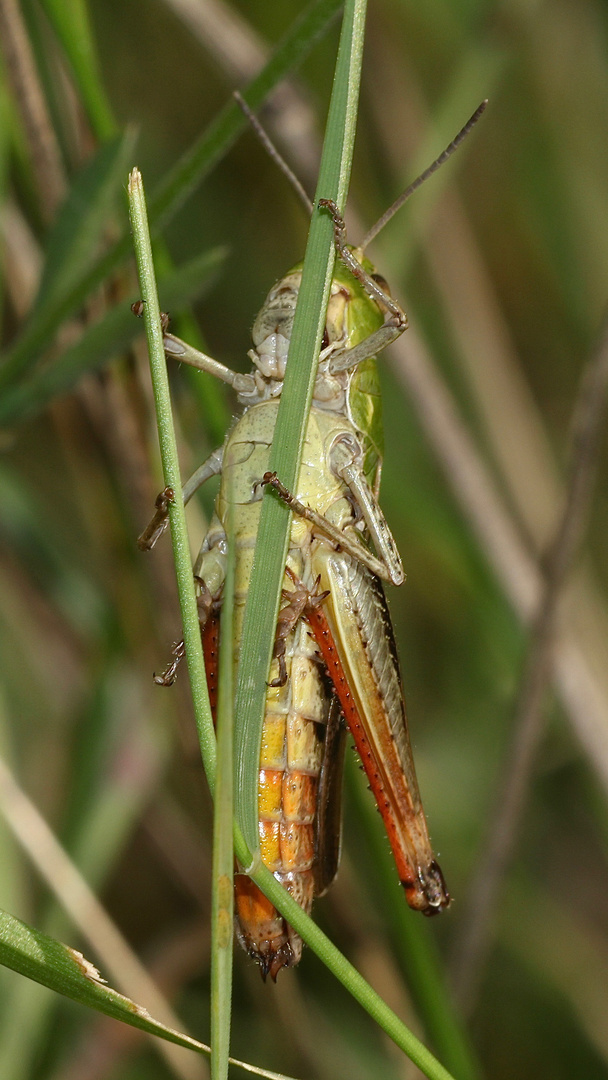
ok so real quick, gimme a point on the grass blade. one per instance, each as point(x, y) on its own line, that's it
point(189, 172)
point(171, 473)
point(66, 971)
point(103, 340)
point(76, 232)
point(271, 548)
point(348, 975)
point(222, 900)
point(70, 20)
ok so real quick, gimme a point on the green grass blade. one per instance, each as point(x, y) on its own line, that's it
point(70, 21)
point(114, 333)
point(271, 548)
point(413, 942)
point(192, 168)
point(344, 971)
point(66, 971)
point(55, 965)
point(222, 897)
point(171, 473)
point(77, 230)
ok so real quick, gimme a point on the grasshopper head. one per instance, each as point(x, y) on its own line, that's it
point(351, 316)
point(271, 331)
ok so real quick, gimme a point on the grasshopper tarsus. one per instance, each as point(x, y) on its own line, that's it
point(435, 890)
point(138, 310)
point(204, 603)
point(270, 479)
point(289, 616)
point(281, 679)
point(169, 675)
point(338, 220)
point(158, 524)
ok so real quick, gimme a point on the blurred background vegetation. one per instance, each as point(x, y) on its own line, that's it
point(502, 264)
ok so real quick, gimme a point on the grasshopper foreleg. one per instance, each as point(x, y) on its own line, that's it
point(395, 321)
point(187, 354)
point(212, 466)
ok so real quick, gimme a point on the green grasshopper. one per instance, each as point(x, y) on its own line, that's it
point(334, 651)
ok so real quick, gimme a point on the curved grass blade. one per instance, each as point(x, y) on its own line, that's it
point(172, 476)
point(271, 547)
point(77, 229)
point(113, 333)
point(414, 946)
point(222, 896)
point(190, 170)
point(344, 971)
point(66, 971)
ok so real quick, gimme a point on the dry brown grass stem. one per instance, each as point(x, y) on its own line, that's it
point(91, 918)
point(43, 147)
point(477, 931)
point(241, 53)
point(517, 571)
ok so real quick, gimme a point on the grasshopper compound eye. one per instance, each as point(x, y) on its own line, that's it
point(382, 282)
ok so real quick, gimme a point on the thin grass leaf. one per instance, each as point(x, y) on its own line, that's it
point(114, 333)
point(309, 322)
point(222, 897)
point(70, 21)
point(171, 473)
point(414, 945)
point(348, 975)
point(188, 173)
point(68, 972)
point(73, 242)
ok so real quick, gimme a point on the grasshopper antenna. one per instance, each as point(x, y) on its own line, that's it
point(272, 151)
point(443, 157)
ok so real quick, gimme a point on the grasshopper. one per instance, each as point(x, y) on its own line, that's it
point(334, 654)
